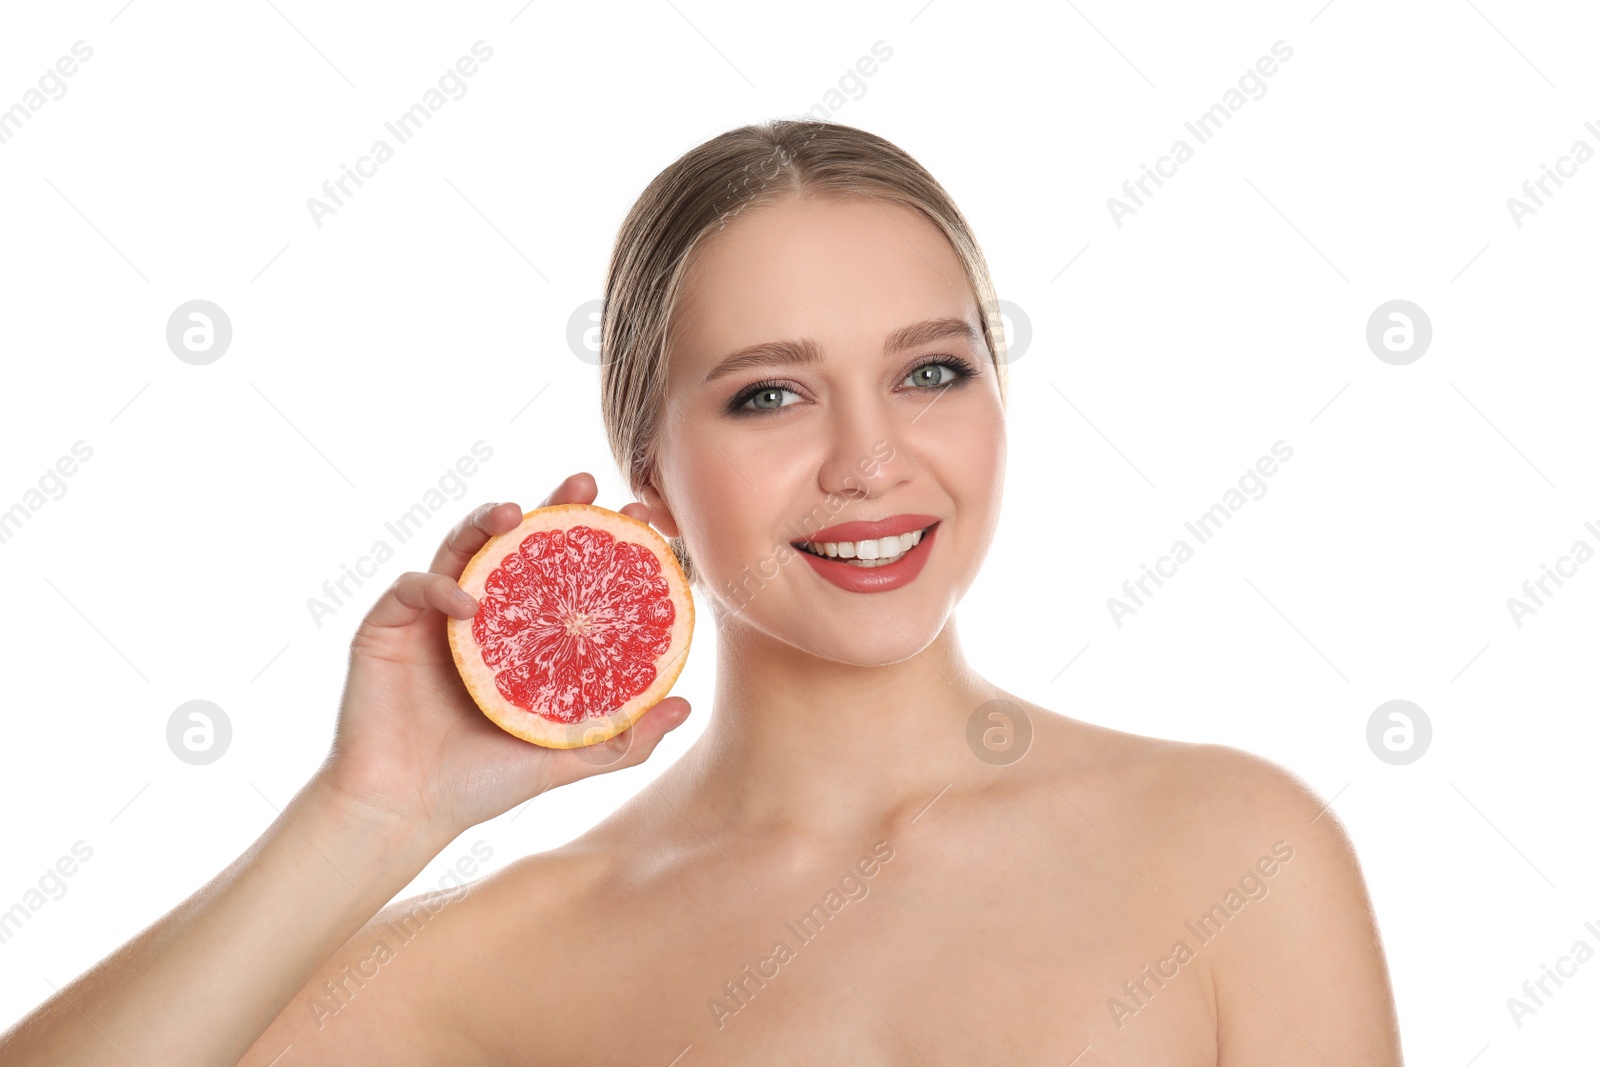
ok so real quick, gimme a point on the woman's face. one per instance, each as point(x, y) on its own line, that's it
point(898, 414)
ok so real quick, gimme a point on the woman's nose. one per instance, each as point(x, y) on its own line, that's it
point(865, 455)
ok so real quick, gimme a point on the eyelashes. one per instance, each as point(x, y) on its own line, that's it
point(962, 368)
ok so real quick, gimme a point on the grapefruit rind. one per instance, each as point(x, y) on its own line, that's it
point(479, 677)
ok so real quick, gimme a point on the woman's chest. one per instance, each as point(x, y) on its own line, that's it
point(969, 953)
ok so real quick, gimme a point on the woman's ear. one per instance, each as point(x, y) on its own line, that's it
point(660, 515)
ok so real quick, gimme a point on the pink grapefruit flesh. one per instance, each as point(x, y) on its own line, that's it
point(583, 624)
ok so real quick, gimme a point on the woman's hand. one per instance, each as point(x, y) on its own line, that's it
point(412, 744)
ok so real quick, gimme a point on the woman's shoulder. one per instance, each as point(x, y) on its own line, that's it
point(1231, 840)
point(1219, 779)
point(1211, 821)
point(542, 889)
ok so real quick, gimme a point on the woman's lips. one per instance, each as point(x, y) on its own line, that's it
point(859, 530)
point(854, 578)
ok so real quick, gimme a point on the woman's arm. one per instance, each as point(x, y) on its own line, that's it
point(1299, 970)
point(200, 984)
point(414, 763)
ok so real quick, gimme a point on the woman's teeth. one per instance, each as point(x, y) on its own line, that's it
point(874, 553)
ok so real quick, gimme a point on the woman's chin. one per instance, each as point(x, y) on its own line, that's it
point(868, 636)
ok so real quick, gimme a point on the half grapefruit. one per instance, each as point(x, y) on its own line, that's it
point(583, 625)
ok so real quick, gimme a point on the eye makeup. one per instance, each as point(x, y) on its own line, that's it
point(961, 367)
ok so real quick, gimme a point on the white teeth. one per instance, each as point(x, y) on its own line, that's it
point(874, 552)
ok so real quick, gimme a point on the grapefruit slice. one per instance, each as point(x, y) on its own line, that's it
point(583, 624)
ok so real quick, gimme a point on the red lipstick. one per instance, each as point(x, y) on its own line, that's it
point(857, 579)
point(862, 531)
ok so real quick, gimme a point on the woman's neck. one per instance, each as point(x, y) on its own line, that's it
point(827, 751)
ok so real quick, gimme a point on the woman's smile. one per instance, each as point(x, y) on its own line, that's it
point(862, 545)
point(872, 565)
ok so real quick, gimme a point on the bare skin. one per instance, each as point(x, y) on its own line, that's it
point(1014, 906)
point(1094, 897)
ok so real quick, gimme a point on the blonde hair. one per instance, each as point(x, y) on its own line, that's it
point(700, 193)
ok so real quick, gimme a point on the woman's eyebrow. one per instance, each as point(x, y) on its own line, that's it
point(804, 352)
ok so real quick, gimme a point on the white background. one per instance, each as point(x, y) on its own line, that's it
point(1166, 355)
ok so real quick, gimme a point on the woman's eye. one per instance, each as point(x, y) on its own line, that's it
point(768, 399)
point(929, 375)
point(769, 395)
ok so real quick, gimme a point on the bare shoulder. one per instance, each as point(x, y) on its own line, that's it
point(1266, 880)
point(1204, 802)
point(423, 981)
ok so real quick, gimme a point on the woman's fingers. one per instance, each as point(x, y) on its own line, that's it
point(474, 531)
point(471, 534)
point(578, 488)
point(665, 717)
point(628, 749)
point(415, 592)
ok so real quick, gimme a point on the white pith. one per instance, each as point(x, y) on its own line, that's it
point(874, 552)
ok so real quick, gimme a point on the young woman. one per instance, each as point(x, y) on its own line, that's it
point(872, 855)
